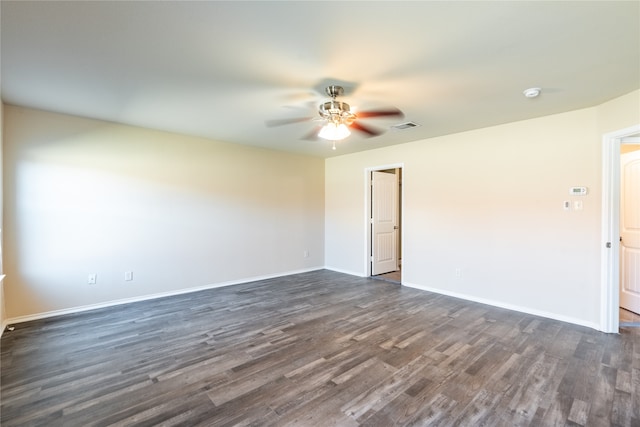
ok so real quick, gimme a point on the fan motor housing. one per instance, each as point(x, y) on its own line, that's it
point(336, 110)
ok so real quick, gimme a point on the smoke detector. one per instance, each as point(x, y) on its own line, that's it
point(532, 92)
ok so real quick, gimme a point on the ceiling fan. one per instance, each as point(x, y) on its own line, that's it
point(339, 119)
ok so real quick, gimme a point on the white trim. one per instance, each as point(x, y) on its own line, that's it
point(367, 211)
point(635, 140)
point(83, 308)
point(610, 257)
point(499, 304)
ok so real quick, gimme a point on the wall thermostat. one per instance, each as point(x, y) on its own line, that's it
point(578, 191)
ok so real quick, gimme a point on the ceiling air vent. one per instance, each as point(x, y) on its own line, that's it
point(403, 126)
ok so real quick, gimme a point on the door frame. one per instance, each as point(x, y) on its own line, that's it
point(367, 211)
point(610, 256)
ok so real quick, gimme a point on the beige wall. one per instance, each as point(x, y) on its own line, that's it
point(619, 113)
point(628, 148)
point(85, 196)
point(490, 202)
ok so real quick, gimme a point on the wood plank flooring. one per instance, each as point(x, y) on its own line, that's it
point(316, 349)
point(394, 277)
point(629, 317)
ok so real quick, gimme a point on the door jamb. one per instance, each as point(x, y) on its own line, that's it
point(610, 256)
point(367, 211)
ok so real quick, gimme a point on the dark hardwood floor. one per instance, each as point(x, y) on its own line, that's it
point(316, 349)
point(629, 318)
point(393, 277)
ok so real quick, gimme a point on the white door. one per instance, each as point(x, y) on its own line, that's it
point(630, 231)
point(384, 222)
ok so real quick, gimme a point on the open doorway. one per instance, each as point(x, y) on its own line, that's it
point(611, 211)
point(629, 314)
point(384, 223)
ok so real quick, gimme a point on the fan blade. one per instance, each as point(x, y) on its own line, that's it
point(313, 135)
point(299, 96)
point(282, 122)
point(368, 130)
point(380, 113)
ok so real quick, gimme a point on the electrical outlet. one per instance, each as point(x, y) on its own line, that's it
point(305, 254)
point(128, 276)
point(91, 280)
point(458, 272)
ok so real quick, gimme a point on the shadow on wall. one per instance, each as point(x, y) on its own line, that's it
point(92, 197)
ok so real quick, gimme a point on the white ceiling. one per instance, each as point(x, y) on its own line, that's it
point(221, 70)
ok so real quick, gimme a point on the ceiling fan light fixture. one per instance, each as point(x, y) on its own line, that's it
point(338, 118)
point(334, 131)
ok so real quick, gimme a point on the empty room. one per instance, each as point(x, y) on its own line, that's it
point(319, 213)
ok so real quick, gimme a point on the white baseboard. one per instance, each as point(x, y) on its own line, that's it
point(507, 306)
point(90, 307)
point(499, 304)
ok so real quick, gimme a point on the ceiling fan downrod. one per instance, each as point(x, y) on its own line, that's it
point(334, 90)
